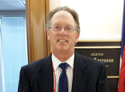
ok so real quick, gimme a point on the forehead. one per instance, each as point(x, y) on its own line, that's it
point(63, 17)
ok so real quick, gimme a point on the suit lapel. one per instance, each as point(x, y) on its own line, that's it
point(44, 80)
point(45, 77)
point(80, 74)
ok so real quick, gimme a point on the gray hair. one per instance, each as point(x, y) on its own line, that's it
point(65, 8)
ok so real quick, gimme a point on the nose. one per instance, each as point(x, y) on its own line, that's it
point(62, 32)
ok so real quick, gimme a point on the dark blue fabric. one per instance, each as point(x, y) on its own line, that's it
point(123, 31)
point(63, 81)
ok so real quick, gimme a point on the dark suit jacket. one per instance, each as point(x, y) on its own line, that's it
point(89, 76)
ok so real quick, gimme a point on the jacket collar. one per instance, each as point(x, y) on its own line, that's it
point(45, 77)
point(80, 74)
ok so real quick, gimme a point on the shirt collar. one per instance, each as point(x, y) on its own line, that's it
point(56, 61)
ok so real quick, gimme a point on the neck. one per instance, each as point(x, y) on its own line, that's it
point(63, 56)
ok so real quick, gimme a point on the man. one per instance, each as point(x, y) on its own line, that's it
point(81, 74)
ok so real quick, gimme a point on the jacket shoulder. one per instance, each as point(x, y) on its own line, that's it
point(36, 65)
point(89, 61)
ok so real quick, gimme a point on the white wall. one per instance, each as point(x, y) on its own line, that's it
point(54, 3)
point(99, 19)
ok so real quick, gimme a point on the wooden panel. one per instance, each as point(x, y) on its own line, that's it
point(36, 32)
point(48, 43)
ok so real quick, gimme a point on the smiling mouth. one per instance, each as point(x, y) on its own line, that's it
point(62, 40)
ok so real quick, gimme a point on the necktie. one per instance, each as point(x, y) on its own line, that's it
point(63, 82)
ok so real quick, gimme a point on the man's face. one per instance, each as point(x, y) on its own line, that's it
point(62, 40)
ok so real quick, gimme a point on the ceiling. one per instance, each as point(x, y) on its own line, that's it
point(6, 5)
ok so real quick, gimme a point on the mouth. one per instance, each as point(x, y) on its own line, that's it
point(62, 41)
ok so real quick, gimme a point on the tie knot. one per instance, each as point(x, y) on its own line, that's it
point(63, 66)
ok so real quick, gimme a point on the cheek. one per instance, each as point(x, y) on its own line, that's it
point(52, 39)
point(74, 39)
point(51, 36)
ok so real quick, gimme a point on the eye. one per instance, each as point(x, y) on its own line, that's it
point(56, 27)
point(69, 28)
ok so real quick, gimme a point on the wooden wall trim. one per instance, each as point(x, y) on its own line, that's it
point(27, 32)
point(37, 44)
point(48, 43)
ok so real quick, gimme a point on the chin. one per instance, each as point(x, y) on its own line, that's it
point(62, 49)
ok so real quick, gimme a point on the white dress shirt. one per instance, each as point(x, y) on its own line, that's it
point(56, 62)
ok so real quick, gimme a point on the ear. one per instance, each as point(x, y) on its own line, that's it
point(47, 32)
point(77, 36)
